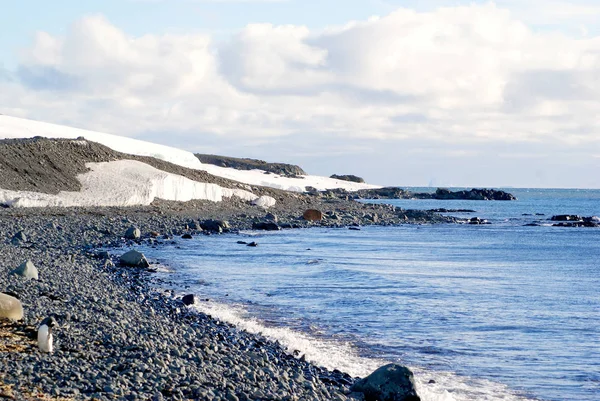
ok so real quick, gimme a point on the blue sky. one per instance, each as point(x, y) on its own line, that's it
point(446, 92)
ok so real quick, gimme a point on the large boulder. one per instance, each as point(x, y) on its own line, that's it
point(264, 201)
point(388, 383)
point(217, 226)
point(133, 233)
point(26, 269)
point(10, 307)
point(313, 215)
point(134, 258)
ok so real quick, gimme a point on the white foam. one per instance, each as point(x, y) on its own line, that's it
point(343, 356)
point(12, 127)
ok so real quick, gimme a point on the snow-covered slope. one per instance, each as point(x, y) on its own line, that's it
point(126, 183)
point(12, 127)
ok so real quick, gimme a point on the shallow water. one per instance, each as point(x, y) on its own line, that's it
point(492, 312)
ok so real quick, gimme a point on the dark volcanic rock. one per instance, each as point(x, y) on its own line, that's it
point(571, 220)
point(566, 217)
point(188, 299)
point(348, 177)
point(473, 194)
point(388, 383)
point(218, 226)
point(440, 193)
point(382, 193)
point(289, 170)
point(265, 225)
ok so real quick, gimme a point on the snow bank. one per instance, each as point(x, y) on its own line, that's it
point(124, 183)
point(12, 127)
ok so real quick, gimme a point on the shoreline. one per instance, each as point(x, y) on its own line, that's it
point(119, 338)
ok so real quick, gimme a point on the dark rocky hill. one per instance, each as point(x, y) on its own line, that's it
point(288, 170)
point(51, 165)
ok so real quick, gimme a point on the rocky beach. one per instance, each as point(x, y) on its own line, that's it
point(117, 336)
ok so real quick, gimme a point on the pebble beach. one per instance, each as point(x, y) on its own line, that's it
point(120, 338)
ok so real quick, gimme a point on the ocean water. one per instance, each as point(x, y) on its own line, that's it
point(489, 312)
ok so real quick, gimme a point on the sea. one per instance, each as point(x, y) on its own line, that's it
point(502, 311)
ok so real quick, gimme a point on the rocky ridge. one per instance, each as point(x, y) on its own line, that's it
point(288, 170)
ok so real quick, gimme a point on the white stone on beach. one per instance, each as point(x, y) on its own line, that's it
point(26, 269)
point(264, 201)
point(10, 307)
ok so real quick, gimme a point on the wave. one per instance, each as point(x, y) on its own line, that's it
point(331, 354)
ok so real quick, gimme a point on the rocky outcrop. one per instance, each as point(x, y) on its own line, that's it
point(348, 177)
point(573, 220)
point(382, 193)
point(288, 170)
point(473, 194)
point(440, 193)
point(388, 383)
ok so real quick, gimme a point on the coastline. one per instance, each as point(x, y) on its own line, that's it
point(118, 338)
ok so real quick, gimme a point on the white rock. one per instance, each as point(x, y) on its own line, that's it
point(264, 201)
point(27, 270)
point(10, 307)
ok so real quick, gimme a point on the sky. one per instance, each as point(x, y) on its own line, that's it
point(407, 93)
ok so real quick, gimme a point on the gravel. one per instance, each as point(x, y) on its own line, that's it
point(121, 338)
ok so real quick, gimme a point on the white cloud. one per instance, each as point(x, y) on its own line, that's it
point(458, 74)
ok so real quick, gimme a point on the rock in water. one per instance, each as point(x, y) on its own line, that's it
point(188, 299)
point(135, 259)
point(133, 233)
point(388, 383)
point(313, 215)
point(27, 270)
point(10, 307)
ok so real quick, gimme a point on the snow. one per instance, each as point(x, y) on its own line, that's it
point(12, 127)
point(128, 182)
point(124, 183)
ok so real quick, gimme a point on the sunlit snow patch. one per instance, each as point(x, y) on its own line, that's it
point(125, 183)
point(12, 127)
